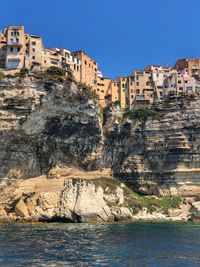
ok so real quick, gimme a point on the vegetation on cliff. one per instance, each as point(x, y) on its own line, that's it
point(141, 114)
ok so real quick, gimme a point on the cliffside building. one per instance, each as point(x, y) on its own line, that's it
point(88, 69)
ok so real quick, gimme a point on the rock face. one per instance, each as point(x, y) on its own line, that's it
point(44, 124)
point(161, 156)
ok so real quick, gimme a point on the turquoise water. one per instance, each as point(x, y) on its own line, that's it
point(134, 244)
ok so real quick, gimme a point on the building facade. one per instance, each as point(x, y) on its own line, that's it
point(88, 69)
point(191, 65)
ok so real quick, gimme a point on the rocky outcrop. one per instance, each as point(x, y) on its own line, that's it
point(73, 199)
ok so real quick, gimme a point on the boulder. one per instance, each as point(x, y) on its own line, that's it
point(21, 209)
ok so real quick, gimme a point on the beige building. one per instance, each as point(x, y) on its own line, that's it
point(180, 82)
point(141, 88)
point(89, 69)
point(18, 50)
point(68, 62)
point(15, 47)
point(34, 52)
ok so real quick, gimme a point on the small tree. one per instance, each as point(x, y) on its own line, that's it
point(23, 72)
point(1, 75)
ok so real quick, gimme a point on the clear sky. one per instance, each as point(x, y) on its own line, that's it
point(121, 35)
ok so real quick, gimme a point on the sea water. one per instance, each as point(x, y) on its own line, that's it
point(131, 244)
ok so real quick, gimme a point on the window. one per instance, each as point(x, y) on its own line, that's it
point(33, 43)
point(77, 68)
point(123, 85)
point(179, 81)
point(137, 83)
point(33, 57)
point(18, 49)
point(85, 62)
point(186, 81)
point(45, 61)
point(11, 33)
point(33, 49)
point(17, 40)
point(11, 49)
point(11, 40)
point(102, 91)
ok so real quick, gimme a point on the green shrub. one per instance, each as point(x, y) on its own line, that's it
point(70, 75)
point(140, 114)
point(88, 90)
point(55, 71)
point(137, 202)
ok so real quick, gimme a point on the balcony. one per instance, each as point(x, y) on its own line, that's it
point(139, 97)
point(9, 43)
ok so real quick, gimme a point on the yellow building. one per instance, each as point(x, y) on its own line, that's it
point(123, 91)
point(113, 92)
point(102, 89)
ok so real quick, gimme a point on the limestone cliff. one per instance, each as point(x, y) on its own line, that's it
point(162, 155)
point(44, 124)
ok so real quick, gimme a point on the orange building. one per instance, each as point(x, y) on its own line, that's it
point(89, 69)
point(191, 65)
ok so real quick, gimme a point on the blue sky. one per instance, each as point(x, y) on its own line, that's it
point(121, 35)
